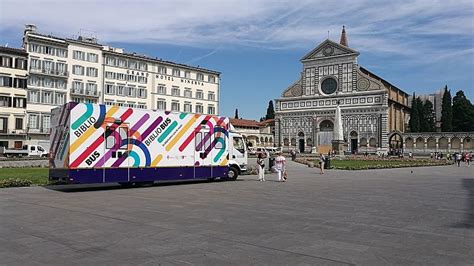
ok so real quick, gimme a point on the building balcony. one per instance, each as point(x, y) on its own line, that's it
point(85, 92)
point(39, 130)
point(49, 72)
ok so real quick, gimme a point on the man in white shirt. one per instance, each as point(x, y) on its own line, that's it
point(280, 163)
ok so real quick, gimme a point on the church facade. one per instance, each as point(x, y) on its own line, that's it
point(374, 112)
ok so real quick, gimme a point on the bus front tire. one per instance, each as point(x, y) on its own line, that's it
point(232, 174)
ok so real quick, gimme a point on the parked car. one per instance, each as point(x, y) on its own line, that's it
point(27, 151)
point(273, 150)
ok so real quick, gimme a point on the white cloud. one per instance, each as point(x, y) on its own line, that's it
point(400, 27)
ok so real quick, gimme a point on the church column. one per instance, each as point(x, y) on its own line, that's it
point(449, 144)
point(437, 144)
point(425, 144)
point(462, 144)
point(384, 130)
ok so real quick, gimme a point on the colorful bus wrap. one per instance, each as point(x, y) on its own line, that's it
point(96, 143)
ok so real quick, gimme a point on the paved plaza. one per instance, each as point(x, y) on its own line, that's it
point(374, 217)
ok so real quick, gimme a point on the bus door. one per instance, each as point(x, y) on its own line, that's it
point(116, 156)
point(203, 153)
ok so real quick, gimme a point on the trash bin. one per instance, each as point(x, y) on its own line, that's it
point(327, 163)
point(271, 162)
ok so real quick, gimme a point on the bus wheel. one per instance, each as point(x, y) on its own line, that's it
point(232, 174)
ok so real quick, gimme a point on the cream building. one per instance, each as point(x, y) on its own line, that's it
point(82, 70)
point(13, 85)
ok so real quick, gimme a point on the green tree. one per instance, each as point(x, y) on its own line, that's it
point(270, 111)
point(414, 122)
point(236, 113)
point(446, 111)
point(427, 121)
point(463, 113)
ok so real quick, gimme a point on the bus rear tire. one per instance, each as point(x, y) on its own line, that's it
point(232, 174)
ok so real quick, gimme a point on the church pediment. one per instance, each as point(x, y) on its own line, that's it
point(328, 49)
point(294, 90)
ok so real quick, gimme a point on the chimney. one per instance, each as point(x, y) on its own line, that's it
point(344, 37)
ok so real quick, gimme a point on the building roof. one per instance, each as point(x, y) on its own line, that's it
point(250, 123)
point(93, 42)
point(385, 83)
point(10, 50)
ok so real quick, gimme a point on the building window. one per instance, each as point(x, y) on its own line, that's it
point(211, 96)
point(79, 55)
point(109, 75)
point(77, 86)
point(47, 97)
point(46, 123)
point(176, 72)
point(142, 93)
point(4, 101)
point(60, 98)
point(121, 90)
point(211, 79)
point(162, 70)
point(188, 93)
point(19, 102)
point(6, 62)
point(200, 76)
point(61, 68)
point(132, 64)
point(175, 91)
point(211, 110)
point(175, 106)
point(161, 104)
point(35, 64)
point(61, 52)
point(142, 66)
point(33, 121)
point(20, 83)
point(21, 63)
point(18, 123)
point(199, 109)
point(6, 81)
point(33, 96)
point(142, 79)
point(3, 124)
point(91, 57)
point(110, 61)
point(121, 76)
point(48, 66)
point(161, 89)
point(35, 48)
point(199, 94)
point(48, 83)
point(188, 107)
point(109, 89)
point(187, 74)
point(49, 50)
point(92, 72)
point(131, 91)
point(91, 88)
point(122, 62)
point(78, 70)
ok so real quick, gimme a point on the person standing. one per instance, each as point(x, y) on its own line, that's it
point(280, 164)
point(322, 160)
point(458, 159)
point(261, 167)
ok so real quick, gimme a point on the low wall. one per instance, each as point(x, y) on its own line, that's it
point(24, 163)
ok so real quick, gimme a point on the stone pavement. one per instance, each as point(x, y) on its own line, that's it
point(373, 217)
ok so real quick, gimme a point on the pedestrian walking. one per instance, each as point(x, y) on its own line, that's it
point(261, 167)
point(280, 165)
point(322, 160)
point(458, 159)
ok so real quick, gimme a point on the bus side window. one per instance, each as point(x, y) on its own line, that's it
point(123, 132)
point(110, 141)
point(217, 135)
point(198, 140)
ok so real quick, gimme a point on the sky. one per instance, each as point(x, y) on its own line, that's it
point(419, 46)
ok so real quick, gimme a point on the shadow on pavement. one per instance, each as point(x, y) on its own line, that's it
point(71, 188)
point(468, 222)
